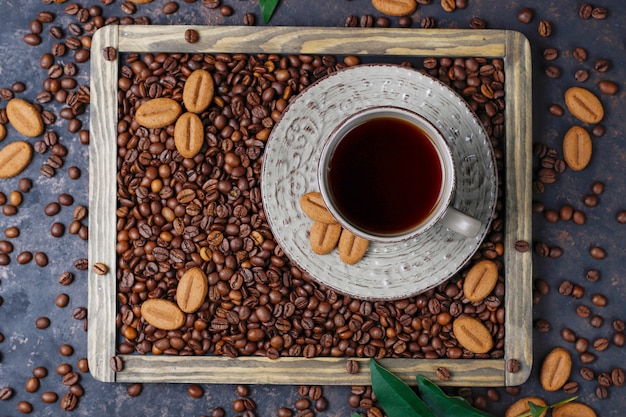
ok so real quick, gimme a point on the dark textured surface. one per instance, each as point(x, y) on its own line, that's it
point(28, 291)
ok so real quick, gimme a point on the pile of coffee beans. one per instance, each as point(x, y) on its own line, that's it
point(206, 212)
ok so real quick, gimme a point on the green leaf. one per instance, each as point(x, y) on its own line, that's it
point(536, 410)
point(444, 405)
point(395, 396)
point(267, 9)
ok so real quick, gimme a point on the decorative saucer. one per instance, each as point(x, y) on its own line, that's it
point(388, 270)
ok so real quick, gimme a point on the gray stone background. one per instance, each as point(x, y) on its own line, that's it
point(28, 291)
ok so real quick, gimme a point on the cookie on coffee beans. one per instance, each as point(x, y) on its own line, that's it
point(158, 112)
point(480, 280)
point(312, 204)
point(324, 237)
point(351, 247)
point(472, 334)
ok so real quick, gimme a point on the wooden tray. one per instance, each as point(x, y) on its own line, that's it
point(511, 46)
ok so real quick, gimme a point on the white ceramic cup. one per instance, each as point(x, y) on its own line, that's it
point(442, 211)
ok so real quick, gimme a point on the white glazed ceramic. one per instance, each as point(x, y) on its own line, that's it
point(388, 270)
point(443, 209)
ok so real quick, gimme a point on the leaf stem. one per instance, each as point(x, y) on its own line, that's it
point(547, 407)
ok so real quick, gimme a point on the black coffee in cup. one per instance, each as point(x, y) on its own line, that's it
point(385, 176)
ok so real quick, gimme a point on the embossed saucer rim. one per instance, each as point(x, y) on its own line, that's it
point(286, 221)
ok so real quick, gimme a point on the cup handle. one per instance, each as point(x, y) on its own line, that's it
point(461, 222)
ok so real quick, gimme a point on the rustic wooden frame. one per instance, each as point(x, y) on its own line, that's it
point(512, 46)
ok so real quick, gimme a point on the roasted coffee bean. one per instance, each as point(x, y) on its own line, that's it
point(49, 397)
point(556, 110)
point(134, 390)
point(443, 374)
point(550, 54)
point(70, 379)
point(590, 200)
point(608, 87)
point(32, 384)
point(477, 23)
point(581, 75)
point(57, 229)
point(601, 344)
point(597, 252)
point(42, 323)
point(427, 22)
point(620, 217)
point(587, 357)
point(525, 15)
point(512, 366)
point(73, 172)
point(522, 246)
point(366, 21)
point(69, 402)
point(568, 335)
point(109, 53)
point(602, 392)
point(66, 278)
point(571, 387)
point(598, 300)
point(604, 379)
point(599, 13)
point(24, 407)
point(579, 54)
point(63, 369)
point(551, 216)
point(66, 350)
point(579, 217)
point(596, 321)
point(81, 264)
point(41, 259)
point(448, 5)
point(128, 7)
point(617, 377)
point(577, 291)
point(587, 374)
point(581, 345)
point(79, 313)
point(552, 71)
point(585, 11)
point(191, 36)
point(100, 268)
point(601, 65)
point(116, 363)
point(405, 22)
point(170, 7)
point(32, 39)
point(583, 311)
point(62, 300)
point(545, 28)
point(83, 365)
point(352, 366)
point(226, 11)
point(542, 249)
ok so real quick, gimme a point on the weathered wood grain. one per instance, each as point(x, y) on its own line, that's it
point(518, 266)
point(511, 46)
point(102, 204)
